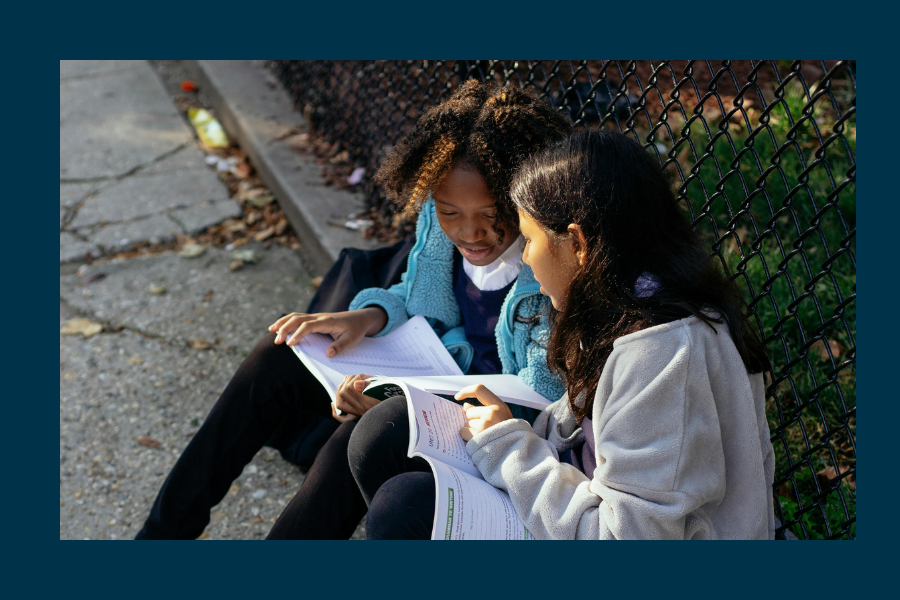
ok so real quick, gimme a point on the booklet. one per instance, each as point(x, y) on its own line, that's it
point(466, 506)
point(413, 349)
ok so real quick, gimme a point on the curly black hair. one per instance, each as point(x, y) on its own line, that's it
point(481, 126)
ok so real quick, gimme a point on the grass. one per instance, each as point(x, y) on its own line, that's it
point(776, 196)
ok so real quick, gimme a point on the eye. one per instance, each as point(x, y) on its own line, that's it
point(448, 214)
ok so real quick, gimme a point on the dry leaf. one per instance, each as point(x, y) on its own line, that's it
point(264, 234)
point(208, 296)
point(261, 200)
point(236, 265)
point(204, 535)
point(316, 282)
point(286, 133)
point(192, 251)
point(829, 474)
point(281, 227)
point(241, 170)
point(83, 326)
point(818, 348)
point(148, 442)
point(157, 289)
point(257, 520)
point(135, 360)
point(200, 344)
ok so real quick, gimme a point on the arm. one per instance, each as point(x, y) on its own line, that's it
point(658, 449)
point(391, 301)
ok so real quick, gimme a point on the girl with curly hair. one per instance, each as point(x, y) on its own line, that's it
point(662, 432)
point(464, 275)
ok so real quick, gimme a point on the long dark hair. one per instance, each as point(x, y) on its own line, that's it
point(613, 189)
point(482, 126)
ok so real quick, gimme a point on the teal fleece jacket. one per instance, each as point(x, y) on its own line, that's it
point(426, 288)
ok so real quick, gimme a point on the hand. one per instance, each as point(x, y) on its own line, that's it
point(345, 328)
point(484, 417)
point(350, 399)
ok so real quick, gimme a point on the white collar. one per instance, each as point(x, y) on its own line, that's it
point(499, 273)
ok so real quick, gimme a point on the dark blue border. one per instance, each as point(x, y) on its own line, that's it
point(304, 569)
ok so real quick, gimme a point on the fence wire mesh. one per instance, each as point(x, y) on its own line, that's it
point(763, 156)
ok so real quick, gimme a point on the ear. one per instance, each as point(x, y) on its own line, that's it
point(579, 241)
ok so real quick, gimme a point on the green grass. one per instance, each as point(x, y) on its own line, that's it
point(781, 213)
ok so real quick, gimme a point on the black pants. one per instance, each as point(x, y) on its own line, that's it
point(348, 472)
point(271, 400)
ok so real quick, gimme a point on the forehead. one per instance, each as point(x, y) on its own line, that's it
point(528, 225)
point(465, 189)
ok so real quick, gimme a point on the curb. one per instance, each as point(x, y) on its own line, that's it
point(254, 108)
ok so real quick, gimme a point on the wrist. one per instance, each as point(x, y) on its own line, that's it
point(377, 318)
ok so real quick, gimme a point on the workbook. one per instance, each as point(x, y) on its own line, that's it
point(413, 349)
point(414, 352)
point(466, 506)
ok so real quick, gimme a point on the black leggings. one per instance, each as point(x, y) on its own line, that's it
point(348, 472)
point(271, 400)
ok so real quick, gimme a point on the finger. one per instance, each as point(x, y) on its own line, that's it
point(274, 326)
point(341, 418)
point(290, 325)
point(478, 412)
point(343, 341)
point(315, 324)
point(466, 433)
point(479, 391)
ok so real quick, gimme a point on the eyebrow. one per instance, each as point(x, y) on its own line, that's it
point(445, 203)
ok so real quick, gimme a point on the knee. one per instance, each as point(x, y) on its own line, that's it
point(403, 508)
point(381, 432)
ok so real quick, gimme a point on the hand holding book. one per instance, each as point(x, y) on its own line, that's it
point(493, 410)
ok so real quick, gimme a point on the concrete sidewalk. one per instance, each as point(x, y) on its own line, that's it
point(174, 329)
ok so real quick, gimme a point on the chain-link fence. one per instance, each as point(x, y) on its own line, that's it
point(763, 156)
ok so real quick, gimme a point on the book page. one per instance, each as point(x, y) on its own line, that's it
point(469, 508)
point(411, 349)
point(434, 428)
point(508, 388)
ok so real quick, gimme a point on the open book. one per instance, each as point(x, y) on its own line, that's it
point(414, 352)
point(466, 506)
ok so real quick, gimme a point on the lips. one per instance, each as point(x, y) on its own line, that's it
point(473, 254)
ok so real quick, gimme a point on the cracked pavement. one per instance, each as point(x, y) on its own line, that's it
point(130, 171)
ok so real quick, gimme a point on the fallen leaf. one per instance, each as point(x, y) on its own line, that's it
point(135, 360)
point(208, 296)
point(200, 344)
point(157, 290)
point(69, 375)
point(148, 442)
point(247, 256)
point(829, 474)
point(218, 515)
point(281, 227)
point(204, 535)
point(94, 277)
point(261, 200)
point(192, 251)
point(340, 157)
point(819, 349)
point(83, 326)
point(286, 133)
point(241, 170)
point(257, 520)
point(264, 234)
point(317, 281)
point(236, 265)
point(234, 489)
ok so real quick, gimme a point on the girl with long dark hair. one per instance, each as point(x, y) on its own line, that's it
point(662, 432)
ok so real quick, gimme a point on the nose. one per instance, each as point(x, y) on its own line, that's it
point(471, 231)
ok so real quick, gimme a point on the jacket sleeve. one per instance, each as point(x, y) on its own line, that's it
point(658, 449)
point(391, 300)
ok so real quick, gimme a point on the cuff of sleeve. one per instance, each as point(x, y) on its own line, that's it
point(392, 305)
point(496, 432)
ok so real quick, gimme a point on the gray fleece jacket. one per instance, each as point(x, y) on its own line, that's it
point(682, 447)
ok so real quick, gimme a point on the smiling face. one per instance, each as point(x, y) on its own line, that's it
point(467, 212)
point(554, 263)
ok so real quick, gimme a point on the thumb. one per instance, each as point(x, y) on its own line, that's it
point(484, 395)
point(340, 343)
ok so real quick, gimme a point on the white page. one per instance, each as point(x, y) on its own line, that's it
point(434, 428)
point(469, 508)
point(411, 349)
point(508, 388)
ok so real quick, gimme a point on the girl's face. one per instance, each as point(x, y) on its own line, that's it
point(466, 212)
point(554, 264)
